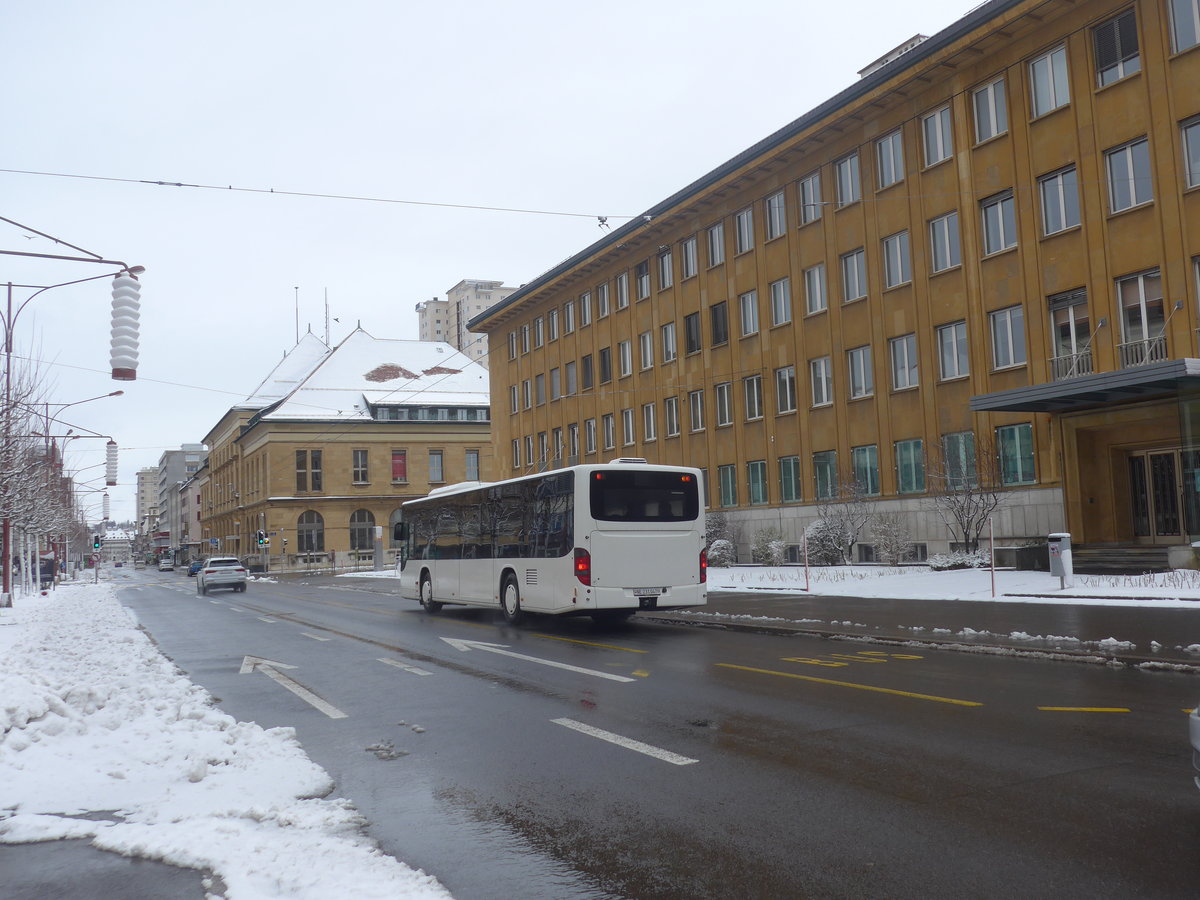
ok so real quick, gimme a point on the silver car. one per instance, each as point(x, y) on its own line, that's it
point(221, 571)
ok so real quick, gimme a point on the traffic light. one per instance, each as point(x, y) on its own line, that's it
point(267, 541)
point(261, 536)
point(95, 542)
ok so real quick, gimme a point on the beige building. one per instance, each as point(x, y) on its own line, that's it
point(446, 320)
point(984, 254)
point(334, 440)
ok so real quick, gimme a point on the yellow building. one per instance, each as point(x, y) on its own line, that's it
point(333, 441)
point(985, 249)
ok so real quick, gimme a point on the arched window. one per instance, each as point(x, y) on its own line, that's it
point(310, 532)
point(393, 521)
point(362, 530)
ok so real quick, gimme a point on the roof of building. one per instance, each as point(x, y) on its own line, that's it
point(297, 364)
point(364, 370)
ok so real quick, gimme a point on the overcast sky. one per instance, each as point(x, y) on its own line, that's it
point(598, 109)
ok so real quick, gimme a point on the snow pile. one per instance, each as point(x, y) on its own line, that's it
point(102, 738)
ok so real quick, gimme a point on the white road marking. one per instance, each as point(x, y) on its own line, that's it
point(235, 609)
point(628, 743)
point(266, 619)
point(270, 669)
point(405, 666)
point(215, 602)
point(315, 637)
point(499, 648)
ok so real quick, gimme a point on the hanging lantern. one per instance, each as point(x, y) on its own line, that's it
point(110, 463)
point(106, 507)
point(126, 305)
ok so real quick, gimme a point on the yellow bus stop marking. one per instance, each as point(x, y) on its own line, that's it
point(849, 684)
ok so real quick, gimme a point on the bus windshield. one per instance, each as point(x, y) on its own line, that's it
point(633, 496)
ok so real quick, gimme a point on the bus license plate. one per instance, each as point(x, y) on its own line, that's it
point(647, 592)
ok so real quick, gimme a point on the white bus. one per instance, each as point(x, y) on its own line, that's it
point(597, 540)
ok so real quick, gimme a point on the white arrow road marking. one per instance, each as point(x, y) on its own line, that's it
point(315, 637)
point(266, 619)
point(628, 743)
point(235, 609)
point(405, 666)
point(270, 668)
point(499, 648)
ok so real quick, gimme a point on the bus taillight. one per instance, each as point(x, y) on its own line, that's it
point(583, 566)
point(703, 566)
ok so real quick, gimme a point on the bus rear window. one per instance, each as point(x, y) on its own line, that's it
point(631, 496)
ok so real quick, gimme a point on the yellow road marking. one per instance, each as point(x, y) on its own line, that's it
point(849, 684)
point(552, 637)
point(642, 673)
point(1083, 709)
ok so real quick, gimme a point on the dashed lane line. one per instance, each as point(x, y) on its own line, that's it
point(415, 670)
point(628, 743)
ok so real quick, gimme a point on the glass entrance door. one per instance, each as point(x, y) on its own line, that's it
point(1162, 511)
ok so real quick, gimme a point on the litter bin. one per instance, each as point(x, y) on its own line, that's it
point(1060, 558)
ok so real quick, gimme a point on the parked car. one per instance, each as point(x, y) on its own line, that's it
point(1194, 728)
point(166, 565)
point(221, 571)
point(195, 567)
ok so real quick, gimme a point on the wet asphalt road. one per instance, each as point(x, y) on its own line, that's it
point(686, 762)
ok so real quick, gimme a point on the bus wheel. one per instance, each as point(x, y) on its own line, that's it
point(510, 600)
point(427, 600)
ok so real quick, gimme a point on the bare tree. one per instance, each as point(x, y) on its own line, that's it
point(847, 513)
point(892, 541)
point(966, 488)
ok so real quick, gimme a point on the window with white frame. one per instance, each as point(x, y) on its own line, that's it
point(897, 269)
point(649, 422)
point(512, 345)
point(666, 270)
point(543, 447)
point(1015, 446)
point(752, 391)
point(603, 307)
point(991, 111)
point(845, 171)
point(776, 216)
point(743, 230)
point(825, 474)
point(727, 479)
point(756, 476)
point(524, 338)
point(1129, 178)
point(573, 440)
point(781, 302)
point(1116, 45)
point(589, 435)
point(552, 325)
point(516, 454)
point(625, 358)
point(585, 309)
point(810, 198)
point(816, 297)
point(1008, 337)
point(529, 457)
point(820, 373)
point(1190, 133)
point(748, 305)
point(952, 350)
point(646, 349)
point(568, 317)
point(1071, 326)
point(671, 416)
point(854, 275)
point(904, 361)
point(1059, 192)
point(944, 248)
point(609, 426)
point(361, 471)
point(689, 263)
point(527, 393)
point(862, 379)
point(1185, 24)
point(641, 279)
point(1142, 313)
point(938, 136)
point(514, 401)
point(670, 349)
point(785, 389)
point(1048, 81)
point(716, 244)
point(622, 282)
point(696, 410)
point(539, 332)
point(999, 222)
point(724, 392)
point(865, 461)
point(627, 434)
point(889, 157)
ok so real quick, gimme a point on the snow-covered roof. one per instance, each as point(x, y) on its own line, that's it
point(364, 370)
point(289, 373)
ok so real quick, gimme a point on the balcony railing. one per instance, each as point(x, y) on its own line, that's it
point(1072, 365)
point(1140, 353)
